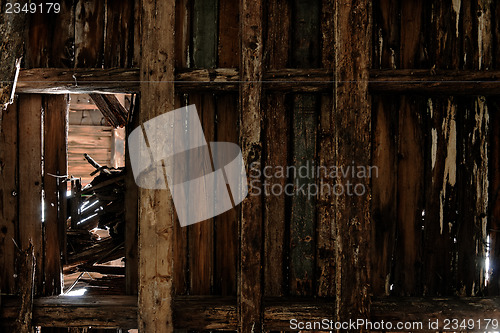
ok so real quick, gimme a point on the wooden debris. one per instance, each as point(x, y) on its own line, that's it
point(111, 108)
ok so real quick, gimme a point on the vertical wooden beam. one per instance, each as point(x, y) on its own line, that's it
point(55, 157)
point(352, 119)
point(30, 180)
point(9, 194)
point(26, 290)
point(156, 206)
point(250, 274)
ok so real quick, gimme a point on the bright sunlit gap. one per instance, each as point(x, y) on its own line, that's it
point(77, 292)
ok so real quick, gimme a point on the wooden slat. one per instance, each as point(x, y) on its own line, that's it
point(251, 117)
point(118, 47)
point(111, 108)
point(305, 54)
point(213, 313)
point(131, 214)
point(352, 135)
point(325, 243)
point(89, 34)
point(277, 129)
point(401, 81)
point(494, 197)
point(9, 194)
point(55, 157)
point(385, 148)
point(408, 266)
point(30, 180)
point(26, 289)
point(201, 235)
point(156, 206)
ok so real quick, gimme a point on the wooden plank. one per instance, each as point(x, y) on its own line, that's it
point(306, 53)
point(26, 289)
point(219, 313)
point(181, 244)
point(385, 81)
point(385, 148)
point(494, 198)
point(277, 129)
point(226, 224)
point(201, 235)
point(407, 271)
point(55, 157)
point(111, 108)
point(156, 206)
point(118, 43)
point(352, 111)
point(205, 18)
point(325, 248)
point(30, 180)
point(131, 213)
point(182, 33)
point(89, 34)
point(9, 191)
point(12, 29)
point(251, 118)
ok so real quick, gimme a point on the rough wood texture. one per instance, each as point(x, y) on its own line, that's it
point(213, 313)
point(119, 43)
point(12, 30)
point(276, 152)
point(55, 157)
point(30, 180)
point(352, 118)
point(408, 270)
point(9, 194)
point(251, 117)
point(111, 108)
point(325, 248)
point(385, 81)
point(305, 54)
point(156, 206)
point(26, 289)
point(494, 198)
point(89, 34)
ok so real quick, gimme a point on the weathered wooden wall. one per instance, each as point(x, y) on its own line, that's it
point(434, 201)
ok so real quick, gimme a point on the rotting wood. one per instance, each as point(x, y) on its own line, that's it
point(27, 265)
point(12, 30)
point(55, 170)
point(212, 313)
point(251, 119)
point(119, 43)
point(276, 151)
point(9, 195)
point(156, 206)
point(352, 134)
point(30, 180)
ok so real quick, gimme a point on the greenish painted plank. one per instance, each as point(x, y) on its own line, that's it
point(205, 33)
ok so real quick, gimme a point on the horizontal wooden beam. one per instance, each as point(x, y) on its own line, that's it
point(429, 82)
point(214, 313)
point(400, 81)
